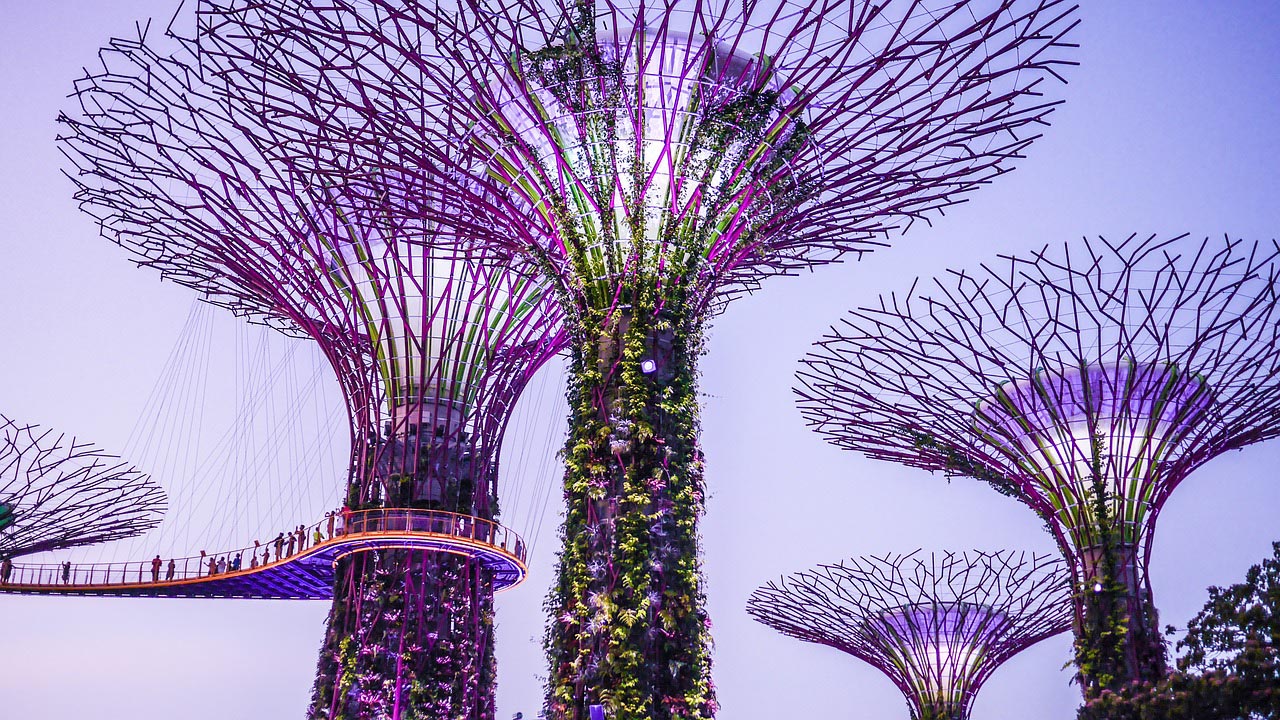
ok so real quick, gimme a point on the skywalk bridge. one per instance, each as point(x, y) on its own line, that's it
point(302, 569)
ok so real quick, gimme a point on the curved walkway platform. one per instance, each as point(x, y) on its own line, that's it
point(298, 570)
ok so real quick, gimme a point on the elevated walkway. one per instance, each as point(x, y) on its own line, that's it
point(301, 570)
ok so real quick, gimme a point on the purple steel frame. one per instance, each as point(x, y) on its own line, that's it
point(62, 493)
point(653, 161)
point(938, 625)
point(1087, 383)
point(430, 347)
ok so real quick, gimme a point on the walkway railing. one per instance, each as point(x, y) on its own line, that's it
point(354, 531)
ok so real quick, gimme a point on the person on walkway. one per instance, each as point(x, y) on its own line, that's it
point(293, 543)
point(201, 566)
point(222, 565)
point(66, 572)
point(213, 566)
point(279, 545)
point(6, 569)
point(238, 562)
point(301, 532)
point(329, 517)
point(156, 562)
point(169, 571)
point(346, 520)
point(317, 538)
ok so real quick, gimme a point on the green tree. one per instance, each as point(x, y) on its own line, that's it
point(1229, 668)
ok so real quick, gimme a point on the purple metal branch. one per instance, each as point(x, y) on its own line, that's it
point(937, 625)
point(62, 493)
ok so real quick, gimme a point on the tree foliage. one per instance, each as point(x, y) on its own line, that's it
point(1230, 663)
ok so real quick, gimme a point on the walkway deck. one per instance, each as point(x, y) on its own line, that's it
point(305, 574)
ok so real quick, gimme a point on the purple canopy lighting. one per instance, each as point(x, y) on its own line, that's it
point(1047, 427)
point(1087, 383)
point(938, 625)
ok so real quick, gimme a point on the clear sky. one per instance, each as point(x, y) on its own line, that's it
point(1172, 124)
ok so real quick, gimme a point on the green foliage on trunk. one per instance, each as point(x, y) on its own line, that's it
point(628, 629)
point(1117, 638)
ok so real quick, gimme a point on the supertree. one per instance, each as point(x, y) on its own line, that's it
point(938, 625)
point(653, 160)
point(57, 492)
point(430, 349)
point(1086, 382)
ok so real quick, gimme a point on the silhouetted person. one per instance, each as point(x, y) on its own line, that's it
point(330, 518)
point(6, 569)
point(235, 562)
point(279, 546)
point(293, 543)
point(169, 571)
point(66, 572)
point(156, 562)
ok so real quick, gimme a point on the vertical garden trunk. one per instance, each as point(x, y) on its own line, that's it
point(410, 633)
point(1117, 630)
point(409, 637)
point(627, 627)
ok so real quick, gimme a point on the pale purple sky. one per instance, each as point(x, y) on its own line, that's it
point(1172, 124)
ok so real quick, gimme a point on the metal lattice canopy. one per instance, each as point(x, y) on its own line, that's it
point(59, 492)
point(707, 145)
point(1147, 356)
point(180, 175)
point(937, 624)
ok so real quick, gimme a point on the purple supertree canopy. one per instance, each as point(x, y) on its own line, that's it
point(1162, 349)
point(938, 625)
point(708, 145)
point(58, 492)
point(1087, 382)
point(431, 348)
point(177, 175)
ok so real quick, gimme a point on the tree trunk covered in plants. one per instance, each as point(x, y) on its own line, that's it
point(409, 636)
point(1118, 640)
point(627, 625)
